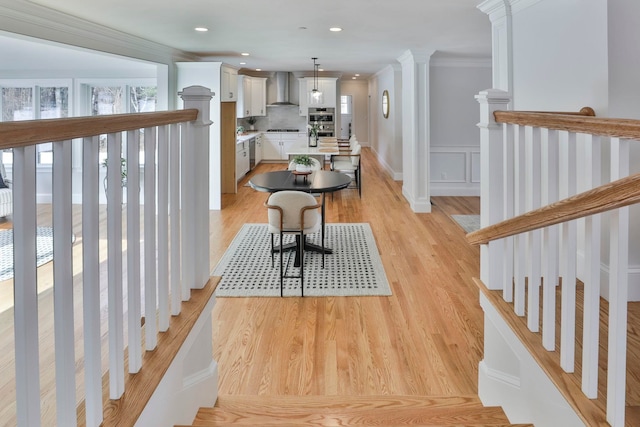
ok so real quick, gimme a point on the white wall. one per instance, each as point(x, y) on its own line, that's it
point(560, 56)
point(386, 133)
point(455, 139)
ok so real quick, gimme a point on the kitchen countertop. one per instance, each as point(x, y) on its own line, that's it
point(247, 136)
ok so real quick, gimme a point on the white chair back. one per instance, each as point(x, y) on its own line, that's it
point(291, 203)
point(357, 149)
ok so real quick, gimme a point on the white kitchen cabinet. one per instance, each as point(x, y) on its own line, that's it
point(242, 159)
point(275, 146)
point(252, 96)
point(229, 84)
point(258, 96)
point(327, 85)
point(304, 97)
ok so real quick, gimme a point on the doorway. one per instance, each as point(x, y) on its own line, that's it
point(346, 116)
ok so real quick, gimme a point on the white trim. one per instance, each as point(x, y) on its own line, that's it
point(520, 5)
point(495, 375)
point(44, 23)
point(484, 62)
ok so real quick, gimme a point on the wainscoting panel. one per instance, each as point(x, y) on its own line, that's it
point(455, 171)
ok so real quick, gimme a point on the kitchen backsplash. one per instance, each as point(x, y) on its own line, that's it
point(281, 117)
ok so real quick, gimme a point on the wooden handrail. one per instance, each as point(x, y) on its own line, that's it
point(616, 194)
point(581, 122)
point(28, 132)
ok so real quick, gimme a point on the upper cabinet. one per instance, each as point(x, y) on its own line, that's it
point(229, 84)
point(327, 85)
point(252, 96)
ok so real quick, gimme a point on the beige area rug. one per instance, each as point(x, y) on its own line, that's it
point(354, 269)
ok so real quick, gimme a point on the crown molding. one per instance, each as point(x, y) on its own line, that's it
point(470, 62)
point(520, 5)
point(29, 19)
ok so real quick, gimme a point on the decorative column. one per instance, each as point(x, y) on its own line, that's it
point(499, 12)
point(491, 183)
point(195, 188)
point(416, 129)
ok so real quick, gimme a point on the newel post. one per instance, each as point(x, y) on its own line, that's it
point(195, 188)
point(491, 182)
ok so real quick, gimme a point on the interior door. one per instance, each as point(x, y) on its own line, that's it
point(346, 116)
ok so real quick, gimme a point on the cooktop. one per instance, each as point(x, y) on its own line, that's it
point(282, 130)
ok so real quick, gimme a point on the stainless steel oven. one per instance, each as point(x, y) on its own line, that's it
point(321, 115)
point(324, 119)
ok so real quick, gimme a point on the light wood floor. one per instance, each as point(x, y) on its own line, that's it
point(425, 339)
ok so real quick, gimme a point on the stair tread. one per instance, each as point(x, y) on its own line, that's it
point(350, 410)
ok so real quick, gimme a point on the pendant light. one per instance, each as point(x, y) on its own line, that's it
point(316, 94)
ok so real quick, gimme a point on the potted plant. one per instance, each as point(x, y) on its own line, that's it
point(252, 121)
point(302, 162)
point(123, 173)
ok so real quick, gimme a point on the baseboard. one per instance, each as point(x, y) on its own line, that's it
point(443, 190)
point(633, 277)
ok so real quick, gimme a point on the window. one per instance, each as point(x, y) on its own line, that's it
point(32, 102)
point(120, 99)
point(345, 104)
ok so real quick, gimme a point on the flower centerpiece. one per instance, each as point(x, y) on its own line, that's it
point(302, 162)
point(313, 134)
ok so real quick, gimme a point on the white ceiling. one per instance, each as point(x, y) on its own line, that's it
point(283, 35)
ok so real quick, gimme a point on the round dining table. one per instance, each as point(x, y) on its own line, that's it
point(320, 181)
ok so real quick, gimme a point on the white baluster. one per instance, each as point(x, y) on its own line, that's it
point(533, 183)
point(63, 286)
point(114, 265)
point(134, 299)
point(174, 208)
point(550, 239)
point(568, 261)
point(150, 266)
point(163, 228)
point(91, 282)
point(618, 289)
point(25, 287)
point(520, 242)
point(591, 315)
point(509, 202)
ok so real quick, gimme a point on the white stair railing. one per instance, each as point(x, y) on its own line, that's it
point(530, 160)
point(173, 208)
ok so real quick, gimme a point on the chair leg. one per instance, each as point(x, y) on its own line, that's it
point(301, 248)
point(272, 237)
point(281, 267)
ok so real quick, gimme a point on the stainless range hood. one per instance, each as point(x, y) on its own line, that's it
point(282, 89)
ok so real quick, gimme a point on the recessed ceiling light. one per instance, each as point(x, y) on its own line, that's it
point(244, 54)
point(243, 63)
point(320, 69)
point(353, 78)
point(335, 29)
point(357, 75)
point(258, 69)
point(201, 29)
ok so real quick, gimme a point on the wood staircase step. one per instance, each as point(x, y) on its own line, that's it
point(286, 411)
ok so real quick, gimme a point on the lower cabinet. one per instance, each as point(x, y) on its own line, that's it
point(242, 159)
point(275, 146)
